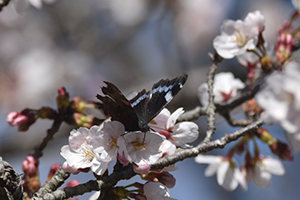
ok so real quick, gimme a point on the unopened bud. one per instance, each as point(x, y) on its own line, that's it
point(23, 119)
point(282, 150)
point(86, 120)
point(53, 170)
point(164, 177)
point(266, 62)
point(264, 135)
point(252, 109)
point(284, 45)
point(62, 99)
point(79, 105)
point(31, 181)
point(30, 166)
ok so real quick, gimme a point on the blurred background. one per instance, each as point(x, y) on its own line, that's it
point(132, 43)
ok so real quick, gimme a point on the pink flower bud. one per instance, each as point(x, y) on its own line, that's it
point(23, 119)
point(62, 99)
point(78, 105)
point(53, 170)
point(30, 166)
point(284, 45)
point(282, 150)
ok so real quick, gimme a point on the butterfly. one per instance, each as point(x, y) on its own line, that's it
point(136, 113)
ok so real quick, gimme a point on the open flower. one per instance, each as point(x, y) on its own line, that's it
point(156, 191)
point(225, 88)
point(280, 99)
point(141, 148)
point(228, 173)
point(178, 133)
point(256, 20)
point(111, 131)
point(235, 39)
point(262, 169)
point(84, 150)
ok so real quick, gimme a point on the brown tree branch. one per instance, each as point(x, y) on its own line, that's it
point(128, 173)
point(10, 182)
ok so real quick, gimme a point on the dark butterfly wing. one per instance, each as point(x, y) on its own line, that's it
point(114, 104)
point(139, 111)
point(147, 105)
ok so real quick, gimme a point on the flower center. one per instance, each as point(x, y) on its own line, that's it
point(139, 144)
point(239, 38)
point(226, 96)
point(112, 143)
point(88, 151)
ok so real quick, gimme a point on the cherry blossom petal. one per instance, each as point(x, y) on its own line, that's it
point(159, 122)
point(140, 150)
point(174, 116)
point(208, 159)
point(235, 39)
point(240, 178)
point(211, 169)
point(167, 147)
point(156, 191)
point(222, 172)
point(185, 132)
point(274, 166)
point(257, 20)
point(261, 177)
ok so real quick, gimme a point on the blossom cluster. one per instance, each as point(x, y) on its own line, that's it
point(277, 102)
point(98, 146)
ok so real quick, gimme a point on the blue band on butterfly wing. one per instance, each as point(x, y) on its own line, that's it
point(162, 89)
point(139, 100)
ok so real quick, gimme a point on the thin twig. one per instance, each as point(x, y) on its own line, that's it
point(237, 122)
point(205, 146)
point(211, 109)
point(38, 151)
point(192, 114)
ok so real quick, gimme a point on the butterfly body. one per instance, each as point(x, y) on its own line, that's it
point(135, 114)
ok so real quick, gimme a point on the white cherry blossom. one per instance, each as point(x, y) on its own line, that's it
point(281, 100)
point(262, 171)
point(112, 130)
point(248, 58)
point(236, 38)
point(84, 151)
point(256, 20)
point(225, 89)
point(228, 173)
point(141, 148)
point(156, 191)
point(178, 133)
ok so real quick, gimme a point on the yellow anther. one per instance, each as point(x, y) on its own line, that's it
point(112, 143)
point(139, 144)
